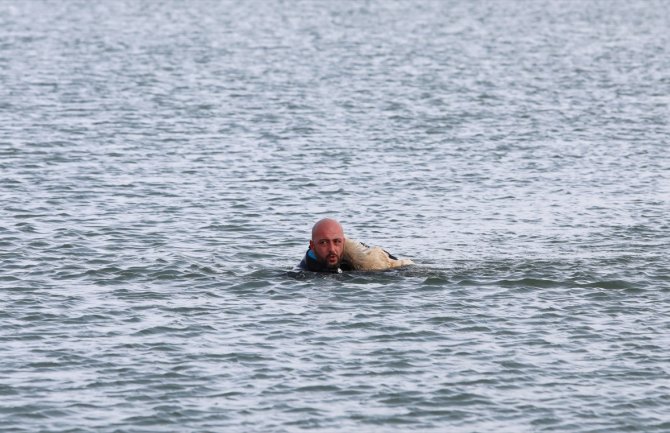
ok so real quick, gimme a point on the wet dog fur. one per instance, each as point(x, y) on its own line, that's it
point(363, 258)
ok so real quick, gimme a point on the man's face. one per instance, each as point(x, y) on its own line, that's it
point(328, 245)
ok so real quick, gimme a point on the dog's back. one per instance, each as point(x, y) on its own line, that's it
point(363, 258)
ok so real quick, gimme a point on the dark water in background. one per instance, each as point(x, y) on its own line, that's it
point(161, 164)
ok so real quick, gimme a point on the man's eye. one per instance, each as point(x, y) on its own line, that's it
point(338, 241)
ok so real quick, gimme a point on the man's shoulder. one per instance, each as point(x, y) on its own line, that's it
point(345, 265)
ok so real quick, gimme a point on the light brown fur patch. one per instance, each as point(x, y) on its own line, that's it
point(363, 258)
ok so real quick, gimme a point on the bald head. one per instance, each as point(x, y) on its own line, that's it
point(327, 242)
point(326, 225)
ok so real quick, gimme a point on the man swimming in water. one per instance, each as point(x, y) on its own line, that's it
point(326, 248)
point(330, 251)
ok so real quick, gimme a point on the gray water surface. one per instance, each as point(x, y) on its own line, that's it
point(162, 163)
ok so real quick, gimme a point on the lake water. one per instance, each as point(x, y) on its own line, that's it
point(162, 163)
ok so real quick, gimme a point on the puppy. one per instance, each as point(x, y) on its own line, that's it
point(364, 258)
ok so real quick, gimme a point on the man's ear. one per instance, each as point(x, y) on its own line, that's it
point(311, 245)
